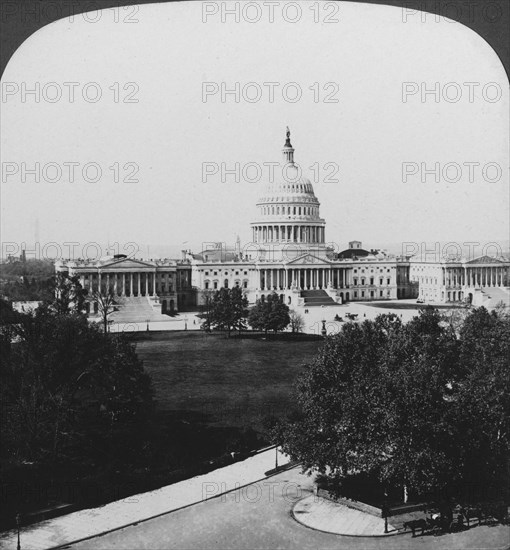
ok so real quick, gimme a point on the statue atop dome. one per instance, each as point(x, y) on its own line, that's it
point(287, 142)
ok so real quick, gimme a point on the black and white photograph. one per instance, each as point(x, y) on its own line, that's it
point(255, 274)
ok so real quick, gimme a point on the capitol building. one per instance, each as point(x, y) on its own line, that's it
point(289, 255)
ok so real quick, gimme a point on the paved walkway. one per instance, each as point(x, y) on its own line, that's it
point(260, 516)
point(189, 320)
point(328, 516)
point(94, 521)
point(182, 321)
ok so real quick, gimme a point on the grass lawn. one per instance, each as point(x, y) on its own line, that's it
point(210, 379)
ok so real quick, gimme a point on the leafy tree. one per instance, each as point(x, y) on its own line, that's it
point(420, 371)
point(71, 393)
point(378, 398)
point(270, 314)
point(229, 309)
point(70, 296)
point(481, 410)
point(297, 323)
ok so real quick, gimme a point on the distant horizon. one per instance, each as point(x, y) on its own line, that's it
point(155, 251)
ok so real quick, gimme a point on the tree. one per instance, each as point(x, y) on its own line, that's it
point(378, 399)
point(270, 314)
point(107, 303)
point(206, 308)
point(229, 309)
point(72, 393)
point(456, 315)
point(481, 410)
point(421, 372)
point(69, 296)
point(297, 323)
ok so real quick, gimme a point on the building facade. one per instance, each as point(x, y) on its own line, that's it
point(289, 255)
point(455, 279)
point(165, 284)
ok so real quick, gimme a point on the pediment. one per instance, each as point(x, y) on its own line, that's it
point(127, 263)
point(309, 259)
point(485, 260)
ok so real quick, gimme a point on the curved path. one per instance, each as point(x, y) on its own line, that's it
point(328, 516)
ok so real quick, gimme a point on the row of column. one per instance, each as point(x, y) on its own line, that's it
point(130, 283)
point(475, 276)
point(302, 279)
point(288, 233)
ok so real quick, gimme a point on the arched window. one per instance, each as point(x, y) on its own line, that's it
point(206, 285)
point(225, 283)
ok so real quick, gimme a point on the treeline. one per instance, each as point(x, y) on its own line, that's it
point(32, 280)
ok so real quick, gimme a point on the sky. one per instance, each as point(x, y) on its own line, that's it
point(365, 130)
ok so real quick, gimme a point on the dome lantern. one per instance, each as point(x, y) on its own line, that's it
point(288, 150)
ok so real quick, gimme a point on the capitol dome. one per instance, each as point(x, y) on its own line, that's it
point(289, 210)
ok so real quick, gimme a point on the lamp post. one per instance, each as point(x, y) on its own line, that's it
point(276, 457)
point(18, 524)
point(385, 511)
point(147, 321)
point(186, 323)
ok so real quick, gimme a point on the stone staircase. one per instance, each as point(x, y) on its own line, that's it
point(317, 298)
point(493, 295)
point(136, 309)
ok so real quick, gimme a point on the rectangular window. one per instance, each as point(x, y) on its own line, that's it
point(371, 280)
point(388, 281)
point(362, 293)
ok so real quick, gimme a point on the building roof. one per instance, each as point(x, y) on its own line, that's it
point(353, 253)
